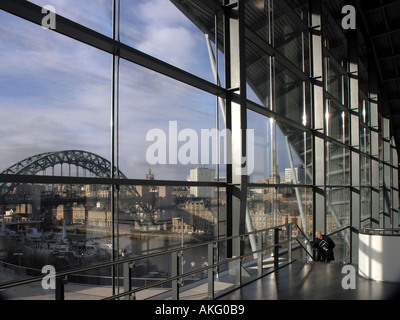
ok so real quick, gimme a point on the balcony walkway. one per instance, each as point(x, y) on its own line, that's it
point(297, 281)
point(313, 281)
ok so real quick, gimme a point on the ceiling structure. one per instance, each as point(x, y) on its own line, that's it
point(378, 23)
point(381, 23)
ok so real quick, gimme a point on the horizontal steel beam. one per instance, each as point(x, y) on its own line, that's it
point(271, 51)
point(12, 178)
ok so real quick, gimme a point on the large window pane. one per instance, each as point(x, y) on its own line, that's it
point(54, 93)
point(342, 246)
point(335, 81)
point(94, 14)
point(337, 123)
point(153, 219)
point(338, 208)
point(289, 95)
point(161, 124)
point(365, 143)
point(337, 165)
point(365, 170)
point(269, 207)
point(160, 29)
point(66, 226)
point(289, 38)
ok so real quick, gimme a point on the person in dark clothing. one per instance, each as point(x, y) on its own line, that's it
point(323, 247)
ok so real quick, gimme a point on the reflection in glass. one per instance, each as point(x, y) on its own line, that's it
point(337, 123)
point(337, 165)
point(338, 208)
point(335, 81)
point(289, 95)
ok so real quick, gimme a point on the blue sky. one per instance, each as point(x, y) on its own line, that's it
point(55, 93)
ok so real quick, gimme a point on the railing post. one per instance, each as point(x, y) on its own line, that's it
point(175, 273)
point(238, 264)
point(289, 230)
point(276, 247)
point(60, 282)
point(127, 269)
point(260, 253)
point(210, 272)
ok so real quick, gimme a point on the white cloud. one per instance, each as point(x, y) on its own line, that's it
point(160, 13)
point(175, 45)
point(55, 93)
point(158, 28)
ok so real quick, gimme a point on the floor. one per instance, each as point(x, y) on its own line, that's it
point(315, 281)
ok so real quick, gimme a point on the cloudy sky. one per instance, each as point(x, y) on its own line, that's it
point(55, 93)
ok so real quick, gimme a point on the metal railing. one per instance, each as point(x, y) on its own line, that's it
point(176, 277)
point(382, 231)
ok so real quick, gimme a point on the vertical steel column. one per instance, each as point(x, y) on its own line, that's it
point(236, 116)
point(175, 273)
point(395, 186)
point(373, 101)
point(260, 257)
point(276, 248)
point(60, 291)
point(318, 109)
point(228, 105)
point(127, 270)
point(353, 100)
point(211, 272)
point(387, 177)
point(114, 141)
point(289, 230)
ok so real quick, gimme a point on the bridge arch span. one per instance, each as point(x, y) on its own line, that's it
point(92, 162)
point(97, 165)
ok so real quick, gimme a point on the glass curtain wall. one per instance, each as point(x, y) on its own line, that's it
point(115, 124)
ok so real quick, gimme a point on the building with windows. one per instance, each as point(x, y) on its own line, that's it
point(202, 174)
point(297, 174)
point(308, 85)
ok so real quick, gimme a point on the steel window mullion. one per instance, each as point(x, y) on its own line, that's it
point(35, 179)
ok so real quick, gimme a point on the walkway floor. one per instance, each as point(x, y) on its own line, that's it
point(297, 281)
point(314, 281)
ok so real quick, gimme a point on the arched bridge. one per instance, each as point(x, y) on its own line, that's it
point(94, 163)
point(97, 165)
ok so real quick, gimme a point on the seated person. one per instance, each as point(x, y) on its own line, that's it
point(323, 247)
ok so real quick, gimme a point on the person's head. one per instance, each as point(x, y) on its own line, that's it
point(318, 234)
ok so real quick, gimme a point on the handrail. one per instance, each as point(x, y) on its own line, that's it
point(188, 273)
point(61, 275)
point(373, 230)
point(301, 231)
point(307, 239)
point(130, 260)
point(305, 249)
point(338, 230)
